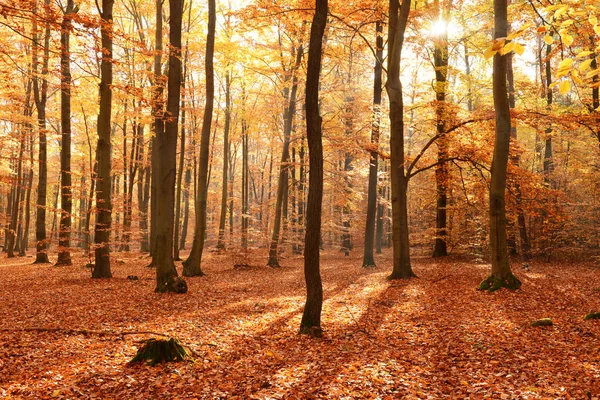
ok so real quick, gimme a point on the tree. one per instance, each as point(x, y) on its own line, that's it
point(398, 20)
point(311, 318)
point(40, 92)
point(501, 275)
point(66, 201)
point(166, 145)
point(368, 258)
point(104, 150)
point(191, 266)
point(221, 240)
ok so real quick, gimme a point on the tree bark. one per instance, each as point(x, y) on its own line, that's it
point(162, 253)
point(282, 186)
point(66, 201)
point(501, 275)
point(225, 181)
point(368, 257)
point(104, 150)
point(397, 26)
point(311, 318)
point(41, 96)
point(440, 58)
point(191, 266)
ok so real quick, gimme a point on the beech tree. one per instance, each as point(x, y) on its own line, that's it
point(311, 318)
point(398, 21)
point(102, 228)
point(501, 275)
point(192, 265)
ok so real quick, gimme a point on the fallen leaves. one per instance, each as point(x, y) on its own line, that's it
point(423, 338)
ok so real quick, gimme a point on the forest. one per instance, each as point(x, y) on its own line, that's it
point(300, 199)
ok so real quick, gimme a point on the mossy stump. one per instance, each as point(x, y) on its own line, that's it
point(592, 315)
point(156, 351)
point(493, 283)
point(541, 322)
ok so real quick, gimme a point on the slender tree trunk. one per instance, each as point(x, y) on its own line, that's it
point(368, 257)
point(176, 256)
point(104, 150)
point(41, 95)
point(440, 58)
point(245, 185)
point(191, 266)
point(158, 125)
point(524, 238)
point(144, 193)
point(224, 188)
point(348, 158)
point(501, 275)
point(311, 318)
point(66, 201)
point(397, 26)
point(25, 244)
point(282, 185)
point(186, 209)
point(548, 162)
point(16, 199)
point(162, 253)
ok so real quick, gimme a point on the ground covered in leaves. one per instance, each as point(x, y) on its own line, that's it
point(431, 337)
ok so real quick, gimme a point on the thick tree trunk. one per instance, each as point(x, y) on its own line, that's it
point(282, 186)
point(104, 150)
point(191, 266)
point(66, 201)
point(311, 318)
point(162, 253)
point(41, 95)
point(368, 257)
point(397, 26)
point(225, 180)
point(501, 275)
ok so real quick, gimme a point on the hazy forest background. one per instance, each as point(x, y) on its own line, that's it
point(356, 169)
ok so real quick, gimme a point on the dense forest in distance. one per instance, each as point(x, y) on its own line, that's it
point(453, 141)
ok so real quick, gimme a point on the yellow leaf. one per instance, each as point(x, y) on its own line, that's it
point(507, 48)
point(593, 73)
point(552, 85)
point(585, 65)
point(489, 53)
point(584, 54)
point(519, 49)
point(597, 29)
point(548, 39)
point(567, 39)
point(577, 79)
point(564, 87)
point(566, 23)
point(593, 20)
point(566, 63)
point(55, 393)
point(560, 11)
point(497, 44)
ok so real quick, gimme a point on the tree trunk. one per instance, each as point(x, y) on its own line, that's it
point(162, 253)
point(225, 181)
point(440, 58)
point(524, 238)
point(104, 150)
point(41, 95)
point(191, 266)
point(282, 186)
point(66, 201)
point(501, 275)
point(311, 318)
point(25, 243)
point(397, 26)
point(368, 257)
point(176, 256)
point(245, 183)
point(186, 209)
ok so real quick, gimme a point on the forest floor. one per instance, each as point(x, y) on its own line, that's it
point(431, 337)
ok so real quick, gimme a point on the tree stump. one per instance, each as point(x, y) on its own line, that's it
point(156, 351)
point(541, 322)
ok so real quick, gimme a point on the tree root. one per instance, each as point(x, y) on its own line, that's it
point(493, 283)
point(312, 331)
